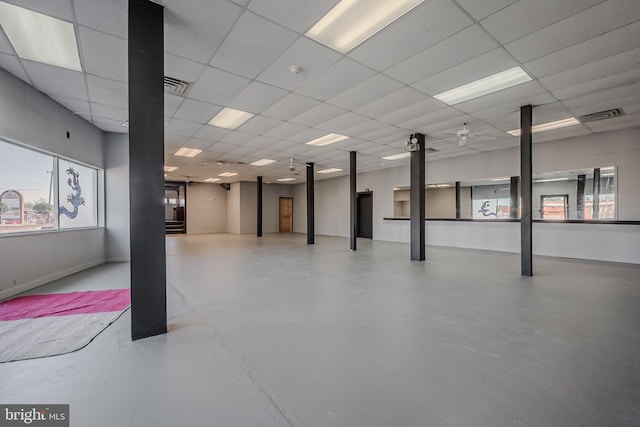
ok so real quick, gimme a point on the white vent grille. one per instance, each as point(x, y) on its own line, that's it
point(602, 115)
point(175, 86)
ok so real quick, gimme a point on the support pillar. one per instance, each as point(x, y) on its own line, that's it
point(526, 183)
point(259, 208)
point(311, 238)
point(146, 174)
point(596, 194)
point(417, 207)
point(354, 200)
point(514, 201)
point(582, 180)
point(457, 199)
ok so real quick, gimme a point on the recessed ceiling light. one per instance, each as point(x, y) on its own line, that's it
point(263, 162)
point(230, 118)
point(502, 80)
point(285, 179)
point(170, 168)
point(548, 126)
point(39, 37)
point(212, 180)
point(351, 22)
point(327, 139)
point(331, 170)
point(397, 156)
point(228, 174)
point(187, 152)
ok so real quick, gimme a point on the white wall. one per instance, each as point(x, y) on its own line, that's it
point(117, 196)
point(300, 208)
point(233, 209)
point(206, 208)
point(248, 207)
point(271, 194)
point(29, 117)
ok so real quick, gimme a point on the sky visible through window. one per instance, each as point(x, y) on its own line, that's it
point(25, 171)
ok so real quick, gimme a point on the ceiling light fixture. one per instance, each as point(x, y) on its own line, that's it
point(351, 22)
point(551, 180)
point(39, 37)
point(230, 118)
point(187, 152)
point(212, 180)
point(263, 162)
point(228, 174)
point(397, 156)
point(548, 126)
point(502, 80)
point(285, 179)
point(327, 139)
point(330, 170)
point(170, 168)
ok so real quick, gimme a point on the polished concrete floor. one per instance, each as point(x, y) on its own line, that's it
point(273, 332)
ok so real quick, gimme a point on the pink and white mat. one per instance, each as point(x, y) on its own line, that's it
point(47, 325)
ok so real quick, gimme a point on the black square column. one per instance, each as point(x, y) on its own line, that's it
point(417, 196)
point(259, 206)
point(354, 200)
point(310, 206)
point(526, 189)
point(146, 174)
point(514, 205)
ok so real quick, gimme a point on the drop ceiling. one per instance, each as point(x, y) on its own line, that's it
point(583, 56)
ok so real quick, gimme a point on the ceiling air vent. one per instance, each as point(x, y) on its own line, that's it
point(175, 86)
point(602, 115)
point(430, 150)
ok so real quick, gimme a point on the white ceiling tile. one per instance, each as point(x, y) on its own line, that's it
point(195, 29)
point(363, 128)
point(258, 125)
point(56, 8)
point(182, 128)
point(237, 138)
point(11, 64)
point(484, 8)
point(368, 91)
point(341, 76)
point(252, 45)
point(571, 90)
point(5, 46)
point(256, 97)
point(211, 133)
point(285, 131)
point(412, 111)
point(290, 106)
point(75, 106)
point(174, 140)
point(422, 27)
point(513, 95)
point(56, 81)
point(104, 55)
point(312, 58)
point(608, 44)
point(318, 114)
point(171, 104)
point(525, 17)
point(622, 62)
point(479, 67)
point(106, 112)
point(626, 97)
point(196, 111)
point(342, 122)
point(262, 142)
point(294, 14)
point(307, 135)
point(182, 68)
point(602, 18)
point(390, 103)
point(217, 86)
point(382, 133)
point(423, 124)
point(108, 92)
point(107, 16)
point(616, 123)
point(460, 47)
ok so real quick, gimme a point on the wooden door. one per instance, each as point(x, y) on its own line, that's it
point(286, 214)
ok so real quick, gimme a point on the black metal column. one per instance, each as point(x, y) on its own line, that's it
point(311, 238)
point(526, 183)
point(259, 208)
point(596, 194)
point(354, 200)
point(582, 180)
point(417, 208)
point(513, 195)
point(146, 175)
point(457, 199)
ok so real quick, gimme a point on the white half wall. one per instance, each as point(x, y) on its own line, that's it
point(206, 208)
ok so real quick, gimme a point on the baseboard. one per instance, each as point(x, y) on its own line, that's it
point(118, 259)
point(50, 278)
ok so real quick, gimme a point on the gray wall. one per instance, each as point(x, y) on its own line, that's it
point(29, 117)
point(271, 194)
point(206, 208)
point(117, 196)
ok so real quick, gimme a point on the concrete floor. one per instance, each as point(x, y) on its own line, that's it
point(272, 332)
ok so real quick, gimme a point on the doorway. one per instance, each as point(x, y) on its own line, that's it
point(175, 220)
point(286, 214)
point(554, 206)
point(365, 215)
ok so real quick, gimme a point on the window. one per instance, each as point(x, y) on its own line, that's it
point(42, 192)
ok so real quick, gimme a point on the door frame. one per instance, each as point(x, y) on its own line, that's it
point(280, 212)
point(176, 185)
point(358, 195)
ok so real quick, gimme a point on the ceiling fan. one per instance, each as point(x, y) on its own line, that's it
point(464, 135)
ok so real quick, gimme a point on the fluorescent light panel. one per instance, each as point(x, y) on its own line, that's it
point(230, 118)
point(551, 180)
point(187, 152)
point(228, 174)
point(285, 179)
point(39, 37)
point(327, 139)
point(212, 180)
point(330, 170)
point(548, 126)
point(351, 22)
point(170, 168)
point(397, 156)
point(263, 162)
point(502, 80)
